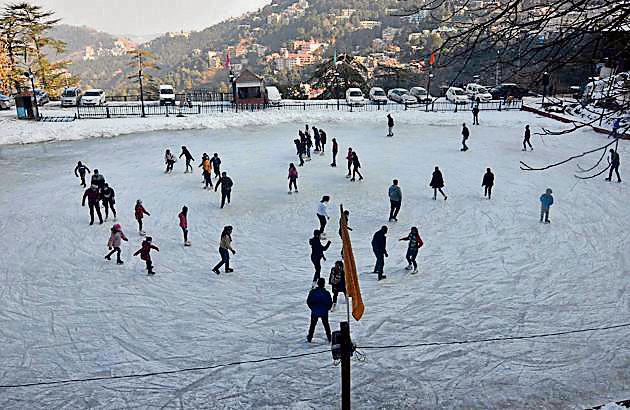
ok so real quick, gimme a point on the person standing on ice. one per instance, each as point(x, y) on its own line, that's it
point(98, 180)
point(225, 247)
point(115, 240)
point(355, 167)
point(79, 172)
point(322, 140)
point(526, 140)
point(475, 112)
point(109, 199)
point(140, 212)
point(145, 254)
point(349, 159)
point(322, 213)
point(415, 243)
point(93, 196)
point(309, 144)
point(546, 200)
point(206, 164)
point(379, 247)
point(293, 176)
point(615, 128)
point(317, 253)
point(320, 302)
point(337, 281)
point(487, 183)
point(437, 183)
point(189, 157)
point(226, 188)
point(395, 200)
point(335, 151)
point(301, 150)
point(614, 165)
point(465, 135)
point(169, 159)
point(318, 140)
point(390, 125)
point(183, 223)
point(216, 165)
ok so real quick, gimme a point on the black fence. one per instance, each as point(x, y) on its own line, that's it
point(193, 95)
point(113, 110)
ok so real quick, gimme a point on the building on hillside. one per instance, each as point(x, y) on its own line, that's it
point(250, 88)
point(369, 24)
point(416, 18)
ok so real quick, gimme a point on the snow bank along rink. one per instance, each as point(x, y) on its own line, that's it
point(488, 269)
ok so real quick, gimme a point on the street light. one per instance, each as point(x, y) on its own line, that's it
point(29, 74)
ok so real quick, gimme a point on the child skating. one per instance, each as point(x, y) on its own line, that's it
point(183, 223)
point(546, 200)
point(140, 212)
point(169, 159)
point(293, 176)
point(115, 240)
point(415, 243)
point(337, 281)
point(145, 253)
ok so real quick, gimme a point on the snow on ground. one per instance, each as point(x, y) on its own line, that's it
point(488, 269)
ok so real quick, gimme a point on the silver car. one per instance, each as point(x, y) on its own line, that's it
point(6, 102)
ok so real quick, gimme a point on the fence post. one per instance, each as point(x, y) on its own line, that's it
point(304, 105)
point(199, 109)
point(405, 106)
point(78, 112)
point(221, 103)
point(455, 107)
point(166, 105)
point(107, 112)
point(500, 101)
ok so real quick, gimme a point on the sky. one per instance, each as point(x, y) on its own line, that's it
point(144, 17)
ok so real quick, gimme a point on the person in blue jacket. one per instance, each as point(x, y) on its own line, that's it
point(320, 302)
point(546, 200)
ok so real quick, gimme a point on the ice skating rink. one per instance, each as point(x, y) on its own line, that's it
point(488, 269)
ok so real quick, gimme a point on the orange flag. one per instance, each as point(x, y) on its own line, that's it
point(432, 58)
point(350, 271)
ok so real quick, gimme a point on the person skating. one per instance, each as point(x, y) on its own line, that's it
point(79, 171)
point(322, 140)
point(297, 144)
point(415, 243)
point(206, 164)
point(169, 160)
point(337, 281)
point(437, 183)
point(109, 199)
point(301, 151)
point(309, 144)
point(379, 247)
point(93, 196)
point(189, 157)
point(183, 223)
point(465, 135)
point(293, 177)
point(145, 253)
point(355, 167)
point(335, 151)
point(320, 302)
point(349, 159)
point(317, 138)
point(487, 183)
point(216, 165)
point(390, 125)
point(115, 240)
point(226, 188)
point(395, 200)
point(526, 139)
point(225, 247)
point(475, 113)
point(546, 200)
point(317, 253)
point(98, 180)
point(322, 213)
point(140, 212)
point(615, 128)
point(614, 165)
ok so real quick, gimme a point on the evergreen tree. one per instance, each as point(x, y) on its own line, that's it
point(345, 73)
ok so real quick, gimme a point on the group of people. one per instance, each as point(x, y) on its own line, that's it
point(98, 193)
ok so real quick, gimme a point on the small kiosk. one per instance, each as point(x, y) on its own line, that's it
point(250, 88)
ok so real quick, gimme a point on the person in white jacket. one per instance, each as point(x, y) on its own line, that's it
point(322, 213)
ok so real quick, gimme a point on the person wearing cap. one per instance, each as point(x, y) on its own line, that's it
point(320, 303)
point(226, 187)
point(395, 200)
point(93, 196)
point(145, 253)
point(115, 240)
point(317, 253)
point(614, 165)
point(546, 200)
point(79, 171)
point(183, 223)
point(139, 213)
point(216, 164)
point(379, 247)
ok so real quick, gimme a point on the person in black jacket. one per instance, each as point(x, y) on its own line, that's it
point(487, 183)
point(98, 180)
point(614, 165)
point(216, 164)
point(317, 253)
point(355, 166)
point(379, 246)
point(437, 183)
point(475, 112)
point(465, 135)
point(93, 196)
point(322, 140)
point(189, 158)
point(317, 139)
point(335, 151)
point(390, 125)
point(79, 172)
point(526, 139)
point(338, 282)
point(226, 188)
point(108, 198)
point(320, 302)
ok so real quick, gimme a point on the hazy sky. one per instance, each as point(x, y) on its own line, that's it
point(146, 16)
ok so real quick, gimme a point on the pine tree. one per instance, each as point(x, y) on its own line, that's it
point(142, 60)
point(345, 73)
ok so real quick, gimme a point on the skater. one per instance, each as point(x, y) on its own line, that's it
point(301, 151)
point(206, 164)
point(320, 302)
point(614, 165)
point(615, 128)
point(546, 200)
point(395, 199)
point(322, 213)
point(317, 253)
point(355, 167)
point(415, 243)
point(93, 196)
point(189, 158)
point(226, 188)
point(322, 140)
point(293, 176)
point(309, 144)
point(338, 282)
point(140, 212)
point(437, 183)
point(216, 165)
point(465, 135)
point(349, 159)
point(390, 125)
point(487, 183)
point(98, 180)
point(145, 253)
point(526, 140)
point(109, 199)
point(475, 113)
point(317, 138)
point(379, 247)
point(183, 223)
point(169, 159)
point(335, 150)
point(114, 243)
point(79, 172)
point(344, 219)
point(225, 247)
point(297, 144)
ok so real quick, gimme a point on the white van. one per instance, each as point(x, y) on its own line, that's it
point(354, 96)
point(456, 95)
point(475, 91)
point(378, 96)
point(167, 95)
point(70, 97)
point(273, 95)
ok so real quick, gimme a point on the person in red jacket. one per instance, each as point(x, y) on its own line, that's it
point(93, 196)
point(349, 159)
point(145, 253)
point(140, 212)
point(183, 223)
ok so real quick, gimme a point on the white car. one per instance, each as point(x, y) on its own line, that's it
point(354, 96)
point(70, 97)
point(95, 96)
point(475, 91)
point(167, 95)
point(6, 101)
point(457, 95)
point(402, 96)
point(377, 95)
point(421, 94)
point(273, 95)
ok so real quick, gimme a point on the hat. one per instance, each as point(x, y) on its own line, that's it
point(549, 191)
point(139, 201)
point(117, 227)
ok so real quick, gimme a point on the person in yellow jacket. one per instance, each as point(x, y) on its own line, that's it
point(207, 170)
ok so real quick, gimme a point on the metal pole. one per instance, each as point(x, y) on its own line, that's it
point(140, 79)
point(32, 78)
point(346, 351)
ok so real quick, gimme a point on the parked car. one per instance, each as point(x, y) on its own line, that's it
point(456, 95)
point(6, 102)
point(377, 95)
point(401, 96)
point(475, 91)
point(354, 96)
point(508, 90)
point(41, 97)
point(94, 96)
point(273, 95)
point(71, 96)
point(421, 94)
point(167, 95)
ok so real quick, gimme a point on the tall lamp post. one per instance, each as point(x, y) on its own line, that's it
point(29, 74)
point(429, 82)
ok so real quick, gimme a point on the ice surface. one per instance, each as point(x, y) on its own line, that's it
point(488, 269)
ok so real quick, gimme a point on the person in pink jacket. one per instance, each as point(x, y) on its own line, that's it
point(115, 240)
point(293, 176)
point(183, 223)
